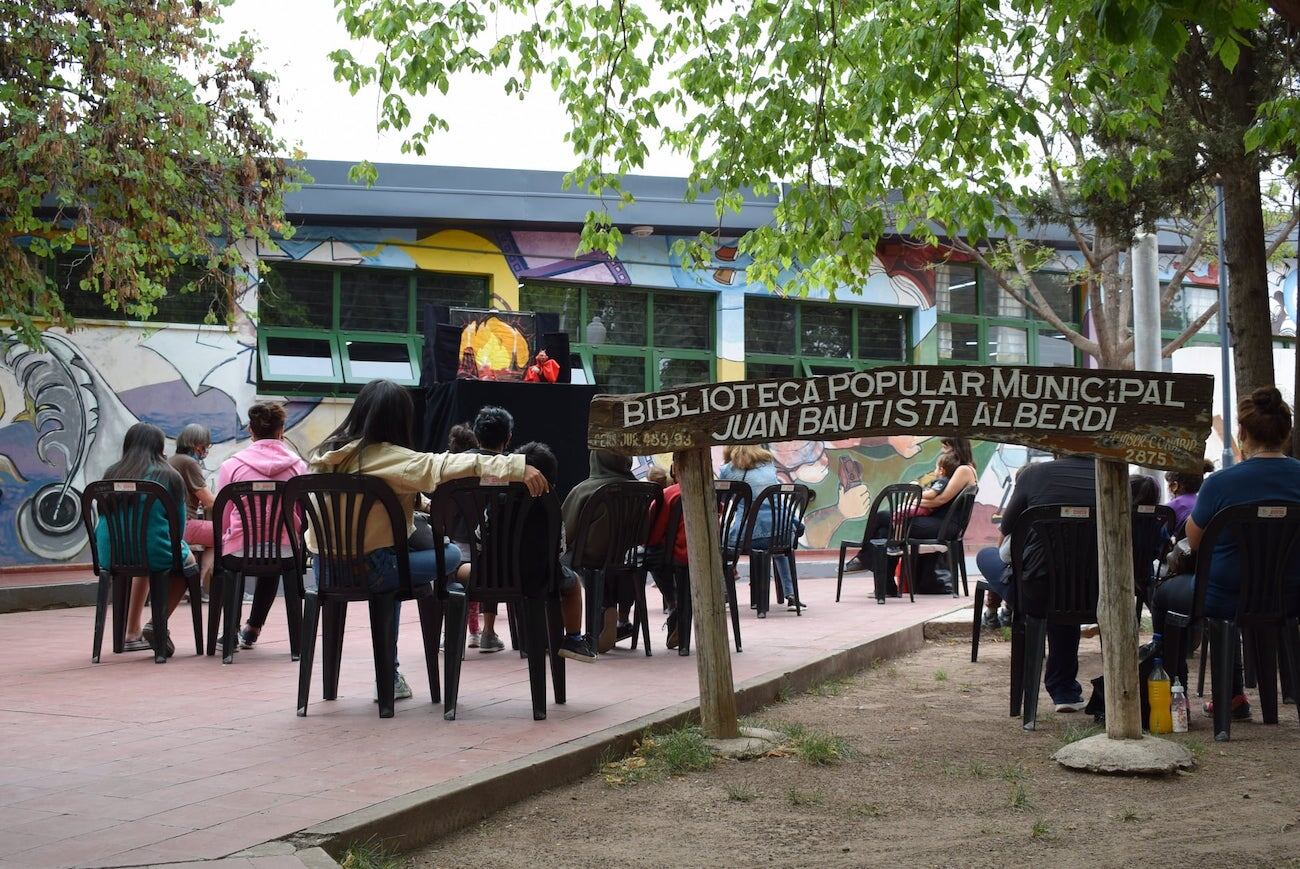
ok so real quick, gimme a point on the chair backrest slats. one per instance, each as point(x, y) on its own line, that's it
point(1066, 535)
point(957, 518)
point(787, 502)
point(259, 504)
point(493, 521)
point(901, 500)
point(623, 508)
point(735, 500)
point(126, 506)
point(337, 508)
point(1265, 533)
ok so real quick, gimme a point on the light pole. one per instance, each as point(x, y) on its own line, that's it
point(1225, 358)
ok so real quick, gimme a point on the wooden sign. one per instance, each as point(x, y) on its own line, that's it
point(1151, 419)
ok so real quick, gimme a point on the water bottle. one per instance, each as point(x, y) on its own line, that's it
point(1180, 710)
point(1161, 699)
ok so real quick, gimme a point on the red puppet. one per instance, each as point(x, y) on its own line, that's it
point(543, 370)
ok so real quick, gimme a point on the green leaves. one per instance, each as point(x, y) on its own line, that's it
point(136, 147)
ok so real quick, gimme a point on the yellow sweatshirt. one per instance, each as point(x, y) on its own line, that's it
point(409, 474)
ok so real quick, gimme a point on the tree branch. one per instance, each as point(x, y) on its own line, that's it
point(1192, 328)
point(1282, 237)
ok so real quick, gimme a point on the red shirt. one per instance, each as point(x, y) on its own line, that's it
point(659, 528)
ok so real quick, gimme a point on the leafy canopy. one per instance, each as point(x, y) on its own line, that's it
point(874, 117)
point(132, 138)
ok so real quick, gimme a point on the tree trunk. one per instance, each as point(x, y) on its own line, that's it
point(1248, 298)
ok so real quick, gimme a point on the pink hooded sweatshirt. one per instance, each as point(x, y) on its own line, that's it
point(267, 459)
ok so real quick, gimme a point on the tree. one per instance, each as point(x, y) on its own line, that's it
point(131, 138)
point(941, 120)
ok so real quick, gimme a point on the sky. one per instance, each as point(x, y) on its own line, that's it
point(316, 113)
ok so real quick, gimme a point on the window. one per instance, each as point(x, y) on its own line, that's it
point(789, 338)
point(632, 340)
point(192, 295)
point(981, 323)
point(333, 329)
point(1189, 303)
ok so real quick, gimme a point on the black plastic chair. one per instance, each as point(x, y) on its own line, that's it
point(623, 508)
point(901, 500)
point(1266, 534)
point(1067, 536)
point(496, 520)
point(1151, 527)
point(338, 507)
point(787, 502)
point(259, 504)
point(950, 538)
point(126, 507)
point(735, 499)
point(1153, 534)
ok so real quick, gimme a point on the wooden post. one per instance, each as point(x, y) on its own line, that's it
point(712, 650)
point(1115, 602)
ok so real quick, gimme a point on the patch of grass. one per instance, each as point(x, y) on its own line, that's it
point(1040, 830)
point(1005, 634)
point(1079, 730)
point(369, 855)
point(941, 675)
point(676, 752)
point(741, 794)
point(822, 749)
point(830, 687)
point(1019, 797)
point(865, 810)
point(966, 688)
point(977, 769)
point(1195, 745)
point(1012, 772)
point(1129, 816)
point(800, 798)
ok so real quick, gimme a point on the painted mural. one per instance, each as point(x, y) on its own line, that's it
point(63, 410)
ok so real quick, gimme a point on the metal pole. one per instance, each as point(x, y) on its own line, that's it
point(1225, 357)
point(1146, 303)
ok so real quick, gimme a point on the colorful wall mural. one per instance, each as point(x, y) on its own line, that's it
point(63, 410)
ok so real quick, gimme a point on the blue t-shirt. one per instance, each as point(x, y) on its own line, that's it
point(1244, 483)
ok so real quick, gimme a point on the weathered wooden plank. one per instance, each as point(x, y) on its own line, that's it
point(1147, 418)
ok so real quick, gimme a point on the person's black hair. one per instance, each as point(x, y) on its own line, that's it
point(192, 438)
point(1143, 490)
point(381, 414)
point(460, 439)
point(493, 427)
point(962, 449)
point(539, 456)
point(1265, 417)
point(1189, 483)
point(142, 458)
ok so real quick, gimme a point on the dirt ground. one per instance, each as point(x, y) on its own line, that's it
point(937, 775)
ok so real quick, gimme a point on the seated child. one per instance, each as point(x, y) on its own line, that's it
point(943, 470)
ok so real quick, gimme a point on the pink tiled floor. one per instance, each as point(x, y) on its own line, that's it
point(128, 762)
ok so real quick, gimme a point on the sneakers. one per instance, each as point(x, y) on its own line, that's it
point(854, 563)
point(401, 688)
point(990, 619)
point(1004, 617)
point(473, 639)
point(489, 642)
point(1071, 706)
point(625, 631)
point(247, 638)
point(1240, 708)
point(577, 649)
point(793, 605)
point(147, 634)
point(674, 639)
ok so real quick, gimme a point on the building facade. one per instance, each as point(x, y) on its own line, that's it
point(341, 302)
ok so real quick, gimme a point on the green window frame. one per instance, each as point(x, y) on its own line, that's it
point(1172, 322)
point(975, 327)
point(320, 319)
point(174, 309)
point(803, 358)
point(647, 361)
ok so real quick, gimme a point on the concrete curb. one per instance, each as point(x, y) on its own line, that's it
point(21, 598)
point(410, 821)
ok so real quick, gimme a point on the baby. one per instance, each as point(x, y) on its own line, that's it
point(943, 471)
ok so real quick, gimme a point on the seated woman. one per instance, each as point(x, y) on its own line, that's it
point(266, 458)
point(192, 446)
point(142, 459)
point(375, 439)
point(1266, 474)
point(1183, 488)
point(661, 562)
point(604, 468)
point(756, 467)
point(938, 504)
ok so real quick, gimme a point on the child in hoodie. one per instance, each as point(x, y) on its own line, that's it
point(266, 458)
